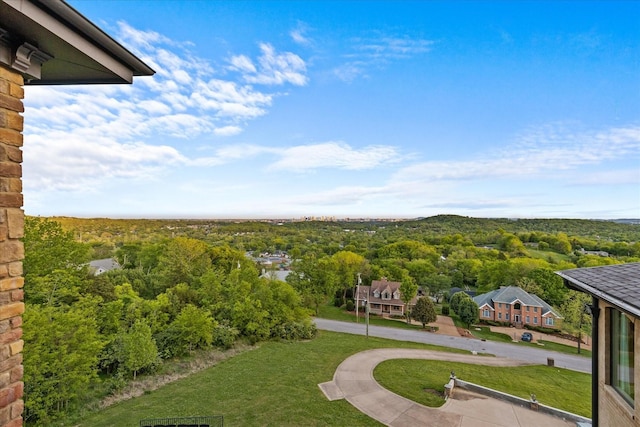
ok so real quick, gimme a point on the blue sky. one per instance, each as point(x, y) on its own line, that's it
point(348, 109)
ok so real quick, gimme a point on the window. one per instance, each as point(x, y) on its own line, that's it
point(528, 320)
point(485, 313)
point(527, 308)
point(506, 316)
point(621, 355)
point(516, 306)
point(535, 309)
point(499, 305)
point(535, 320)
point(548, 321)
point(499, 315)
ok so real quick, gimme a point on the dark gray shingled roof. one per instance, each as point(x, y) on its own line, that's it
point(509, 294)
point(617, 284)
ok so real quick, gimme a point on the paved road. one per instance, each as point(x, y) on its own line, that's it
point(519, 352)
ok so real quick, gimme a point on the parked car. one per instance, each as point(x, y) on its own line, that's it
point(527, 336)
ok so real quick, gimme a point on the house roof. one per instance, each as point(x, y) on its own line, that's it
point(52, 43)
point(617, 284)
point(105, 264)
point(511, 294)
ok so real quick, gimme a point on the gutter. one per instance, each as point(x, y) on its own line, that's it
point(95, 35)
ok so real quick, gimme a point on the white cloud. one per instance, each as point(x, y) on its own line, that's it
point(83, 134)
point(78, 164)
point(298, 35)
point(273, 68)
point(334, 155)
point(367, 52)
point(545, 151)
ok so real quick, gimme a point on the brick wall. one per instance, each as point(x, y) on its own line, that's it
point(11, 248)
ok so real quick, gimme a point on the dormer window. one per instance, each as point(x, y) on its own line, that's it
point(376, 294)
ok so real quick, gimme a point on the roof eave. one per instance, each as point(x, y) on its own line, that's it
point(577, 285)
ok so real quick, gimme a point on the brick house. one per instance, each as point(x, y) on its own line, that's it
point(384, 298)
point(615, 307)
point(513, 305)
point(41, 42)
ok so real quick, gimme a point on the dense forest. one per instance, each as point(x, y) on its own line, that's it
point(192, 285)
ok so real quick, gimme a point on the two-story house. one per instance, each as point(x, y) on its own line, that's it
point(515, 306)
point(384, 298)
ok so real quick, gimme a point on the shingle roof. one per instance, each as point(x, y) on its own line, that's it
point(617, 284)
point(511, 294)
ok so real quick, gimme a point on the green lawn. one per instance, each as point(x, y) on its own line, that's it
point(336, 313)
point(276, 384)
point(416, 380)
point(485, 333)
point(562, 348)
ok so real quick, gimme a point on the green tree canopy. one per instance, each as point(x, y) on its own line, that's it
point(424, 311)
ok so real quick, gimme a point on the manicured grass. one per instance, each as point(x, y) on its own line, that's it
point(275, 384)
point(560, 388)
point(563, 348)
point(484, 332)
point(335, 313)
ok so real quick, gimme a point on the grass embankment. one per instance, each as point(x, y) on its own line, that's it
point(423, 381)
point(275, 384)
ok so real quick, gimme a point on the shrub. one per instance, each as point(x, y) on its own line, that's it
point(350, 305)
point(295, 331)
point(338, 301)
point(445, 310)
point(224, 336)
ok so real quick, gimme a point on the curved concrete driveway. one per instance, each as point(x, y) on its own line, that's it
point(353, 381)
point(500, 349)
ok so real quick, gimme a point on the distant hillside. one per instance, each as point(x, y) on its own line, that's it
point(596, 229)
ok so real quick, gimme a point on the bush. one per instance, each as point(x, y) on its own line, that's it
point(338, 301)
point(350, 305)
point(542, 329)
point(445, 310)
point(495, 323)
point(295, 331)
point(224, 336)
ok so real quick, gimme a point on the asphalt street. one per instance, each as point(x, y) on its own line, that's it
point(514, 351)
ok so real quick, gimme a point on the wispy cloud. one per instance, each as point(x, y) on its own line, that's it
point(336, 155)
point(378, 51)
point(299, 34)
point(545, 151)
point(273, 68)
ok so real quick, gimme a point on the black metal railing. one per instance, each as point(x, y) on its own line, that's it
point(210, 421)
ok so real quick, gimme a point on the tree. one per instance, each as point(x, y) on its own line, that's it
point(62, 360)
point(468, 311)
point(48, 248)
point(574, 312)
point(456, 299)
point(184, 260)
point(195, 327)
point(139, 350)
point(314, 279)
point(408, 291)
point(438, 285)
point(424, 311)
point(347, 266)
